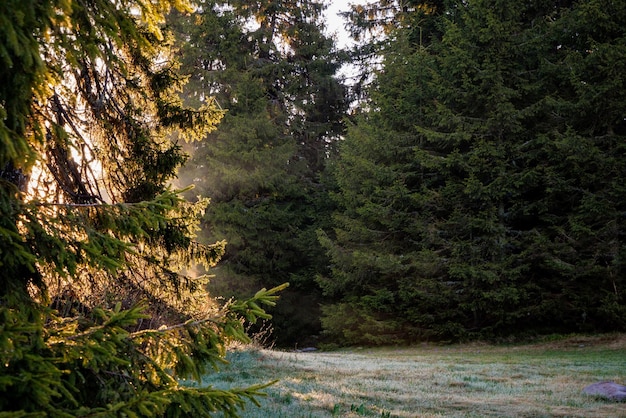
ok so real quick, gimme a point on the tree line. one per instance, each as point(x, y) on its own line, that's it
point(466, 184)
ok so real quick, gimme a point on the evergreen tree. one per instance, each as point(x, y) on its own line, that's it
point(472, 200)
point(94, 243)
point(269, 64)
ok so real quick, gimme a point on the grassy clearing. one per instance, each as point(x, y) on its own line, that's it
point(475, 380)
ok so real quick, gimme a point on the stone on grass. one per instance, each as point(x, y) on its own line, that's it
point(608, 390)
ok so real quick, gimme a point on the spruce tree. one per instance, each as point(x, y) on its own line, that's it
point(271, 67)
point(472, 204)
point(98, 317)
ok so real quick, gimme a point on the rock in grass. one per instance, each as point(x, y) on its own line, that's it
point(609, 390)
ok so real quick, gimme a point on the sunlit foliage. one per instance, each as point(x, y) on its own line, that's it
point(95, 245)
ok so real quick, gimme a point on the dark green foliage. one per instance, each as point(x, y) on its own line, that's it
point(272, 68)
point(482, 196)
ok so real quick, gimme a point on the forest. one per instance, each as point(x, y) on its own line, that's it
point(178, 175)
point(463, 181)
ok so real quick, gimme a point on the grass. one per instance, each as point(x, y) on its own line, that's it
point(472, 380)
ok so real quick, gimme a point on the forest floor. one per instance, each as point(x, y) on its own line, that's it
point(471, 380)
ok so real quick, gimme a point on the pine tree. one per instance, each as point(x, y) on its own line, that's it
point(272, 68)
point(470, 195)
point(94, 242)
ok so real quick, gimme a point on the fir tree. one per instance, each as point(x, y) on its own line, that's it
point(472, 203)
point(94, 242)
point(272, 68)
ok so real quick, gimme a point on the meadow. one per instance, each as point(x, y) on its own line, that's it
point(542, 379)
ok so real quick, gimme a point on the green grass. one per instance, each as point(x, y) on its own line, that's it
point(472, 380)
